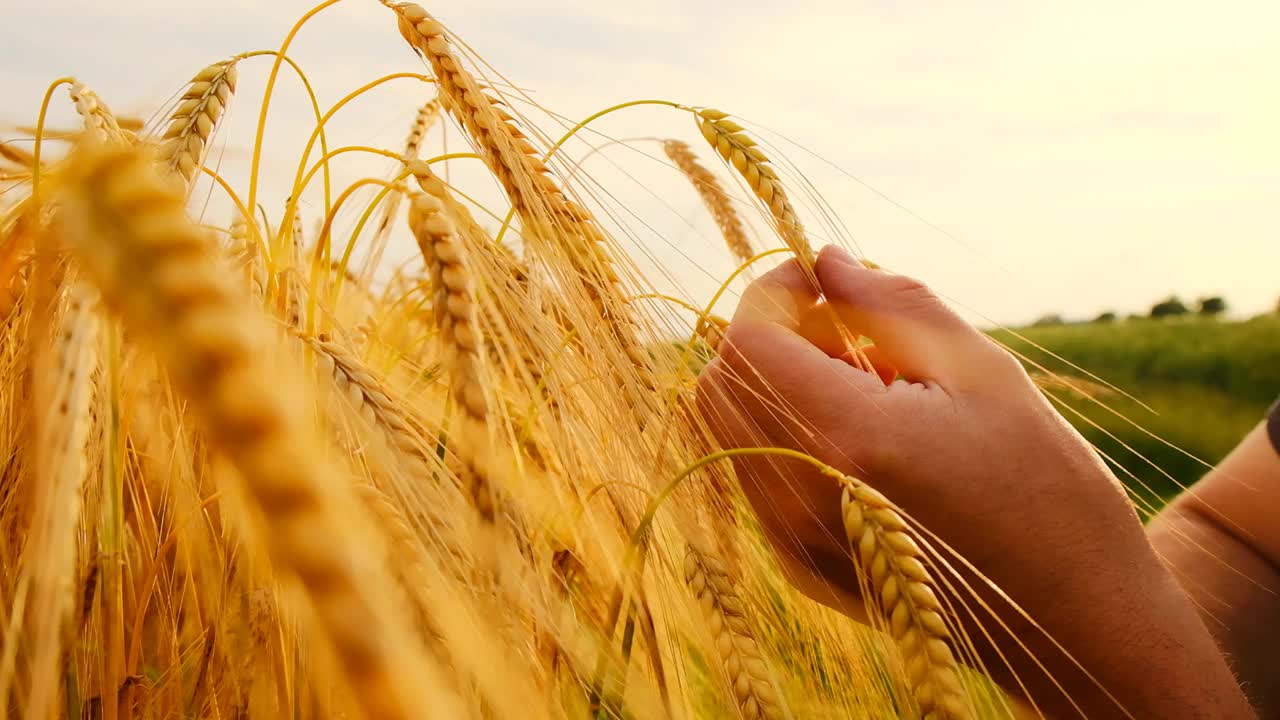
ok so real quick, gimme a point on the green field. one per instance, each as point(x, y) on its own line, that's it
point(1208, 382)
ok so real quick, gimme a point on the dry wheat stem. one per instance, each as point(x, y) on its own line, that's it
point(713, 196)
point(741, 151)
point(196, 118)
point(129, 227)
point(753, 688)
point(899, 586)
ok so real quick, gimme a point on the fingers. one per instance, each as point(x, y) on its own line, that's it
point(915, 331)
point(793, 391)
point(781, 296)
point(778, 488)
point(879, 362)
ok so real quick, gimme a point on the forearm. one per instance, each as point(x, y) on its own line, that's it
point(1140, 646)
point(1222, 541)
point(1235, 588)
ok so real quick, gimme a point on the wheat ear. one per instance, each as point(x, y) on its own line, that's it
point(129, 227)
point(423, 121)
point(370, 397)
point(713, 196)
point(455, 315)
point(98, 119)
point(901, 588)
point(62, 431)
point(545, 211)
point(741, 151)
point(753, 687)
point(507, 151)
point(510, 272)
point(244, 252)
point(196, 118)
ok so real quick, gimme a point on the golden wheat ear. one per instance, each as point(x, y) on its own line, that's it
point(713, 196)
point(196, 118)
point(751, 680)
point(902, 592)
point(129, 227)
point(742, 152)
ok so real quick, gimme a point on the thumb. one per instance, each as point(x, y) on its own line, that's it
point(913, 329)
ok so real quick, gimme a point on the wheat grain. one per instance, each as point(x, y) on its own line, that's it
point(713, 196)
point(159, 272)
point(901, 588)
point(712, 329)
point(196, 118)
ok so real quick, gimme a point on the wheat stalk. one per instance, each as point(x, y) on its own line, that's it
point(196, 118)
point(713, 196)
point(888, 561)
point(423, 121)
point(752, 683)
point(741, 151)
point(130, 230)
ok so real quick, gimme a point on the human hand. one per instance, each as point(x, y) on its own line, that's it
point(967, 447)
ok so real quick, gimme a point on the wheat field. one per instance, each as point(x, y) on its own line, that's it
point(252, 469)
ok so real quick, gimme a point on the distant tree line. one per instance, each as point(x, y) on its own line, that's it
point(1170, 307)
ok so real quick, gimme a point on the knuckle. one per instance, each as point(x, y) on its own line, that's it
point(911, 294)
point(731, 355)
point(1003, 362)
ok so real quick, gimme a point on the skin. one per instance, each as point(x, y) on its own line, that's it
point(1222, 542)
point(969, 449)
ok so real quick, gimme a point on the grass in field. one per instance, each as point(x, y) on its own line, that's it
point(1209, 382)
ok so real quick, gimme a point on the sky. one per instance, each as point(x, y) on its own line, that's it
point(1022, 158)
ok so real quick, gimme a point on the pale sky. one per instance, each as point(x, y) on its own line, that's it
point(1076, 156)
